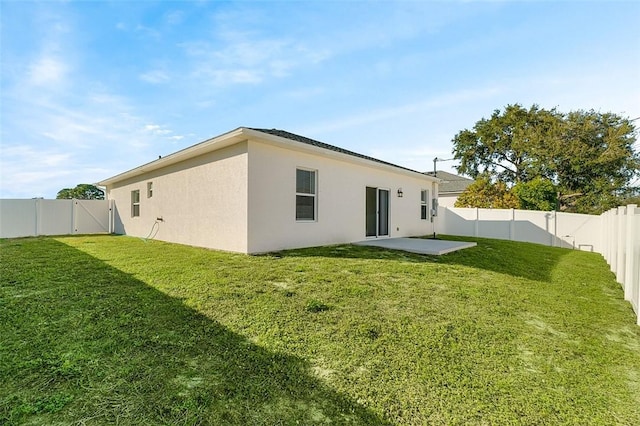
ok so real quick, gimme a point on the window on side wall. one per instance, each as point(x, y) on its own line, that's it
point(306, 204)
point(135, 203)
point(149, 189)
point(424, 204)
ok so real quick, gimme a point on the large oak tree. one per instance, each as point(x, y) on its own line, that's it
point(589, 156)
point(83, 191)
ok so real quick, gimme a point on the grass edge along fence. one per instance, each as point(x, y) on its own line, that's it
point(614, 234)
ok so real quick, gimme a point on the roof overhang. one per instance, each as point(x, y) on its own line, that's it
point(209, 145)
point(243, 134)
point(315, 150)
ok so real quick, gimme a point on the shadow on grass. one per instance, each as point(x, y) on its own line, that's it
point(84, 342)
point(518, 259)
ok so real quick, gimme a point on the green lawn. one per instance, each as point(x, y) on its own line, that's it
point(108, 329)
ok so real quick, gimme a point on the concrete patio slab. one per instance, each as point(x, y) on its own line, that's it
point(417, 245)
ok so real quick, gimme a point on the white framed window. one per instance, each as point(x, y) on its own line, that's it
point(149, 189)
point(306, 200)
point(424, 204)
point(135, 203)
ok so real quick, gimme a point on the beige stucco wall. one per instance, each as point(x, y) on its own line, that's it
point(202, 201)
point(341, 200)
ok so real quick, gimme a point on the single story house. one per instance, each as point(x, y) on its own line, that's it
point(260, 190)
point(450, 187)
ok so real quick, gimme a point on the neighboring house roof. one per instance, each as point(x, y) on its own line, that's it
point(450, 183)
point(278, 137)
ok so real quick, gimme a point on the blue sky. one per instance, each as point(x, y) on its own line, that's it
point(91, 89)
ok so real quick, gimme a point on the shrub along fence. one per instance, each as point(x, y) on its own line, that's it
point(33, 217)
point(614, 234)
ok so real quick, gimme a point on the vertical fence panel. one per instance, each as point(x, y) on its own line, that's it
point(613, 240)
point(613, 235)
point(55, 217)
point(627, 281)
point(534, 227)
point(579, 231)
point(631, 283)
point(606, 252)
point(636, 264)
point(494, 223)
point(621, 244)
point(18, 218)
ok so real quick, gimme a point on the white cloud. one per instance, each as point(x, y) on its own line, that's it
point(69, 136)
point(575, 87)
point(253, 52)
point(25, 168)
point(147, 31)
point(74, 121)
point(385, 114)
point(155, 77)
point(157, 129)
point(47, 70)
point(175, 17)
point(69, 130)
point(163, 132)
point(306, 93)
point(242, 57)
point(223, 77)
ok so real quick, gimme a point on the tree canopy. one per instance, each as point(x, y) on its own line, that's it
point(588, 157)
point(83, 191)
point(485, 194)
point(536, 194)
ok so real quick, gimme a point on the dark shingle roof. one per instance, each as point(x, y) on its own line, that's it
point(451, 183)
point(303, 139)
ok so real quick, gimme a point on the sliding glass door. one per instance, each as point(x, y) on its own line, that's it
point(377, 212)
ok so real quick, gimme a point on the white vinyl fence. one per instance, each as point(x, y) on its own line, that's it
point(614, 234)
point(556, 229)
point(28, 218)
point(621, 231)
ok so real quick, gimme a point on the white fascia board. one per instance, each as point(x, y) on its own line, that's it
point(204, 147)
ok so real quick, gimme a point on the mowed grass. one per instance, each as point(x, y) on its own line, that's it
point(116, 330)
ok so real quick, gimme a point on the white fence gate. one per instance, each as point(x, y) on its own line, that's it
point(614, 234)
point(28, 218)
